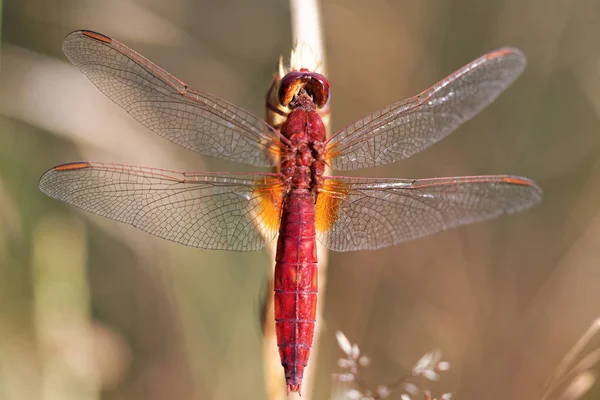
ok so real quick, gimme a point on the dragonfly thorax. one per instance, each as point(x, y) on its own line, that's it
point(302, 162)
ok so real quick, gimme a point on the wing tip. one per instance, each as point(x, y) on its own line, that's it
point(73, 37)
point(503, 51)
point(72, 166)
point(521, 180)
point(507, 51)
point(536, 192)
point(90, 34)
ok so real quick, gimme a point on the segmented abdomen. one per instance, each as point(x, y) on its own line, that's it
point(296, 284)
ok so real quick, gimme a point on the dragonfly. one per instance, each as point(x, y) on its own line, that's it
point(298, 202)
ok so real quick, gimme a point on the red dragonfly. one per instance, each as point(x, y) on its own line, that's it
point(245, 211)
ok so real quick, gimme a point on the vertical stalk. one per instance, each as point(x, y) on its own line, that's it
point(306, 34)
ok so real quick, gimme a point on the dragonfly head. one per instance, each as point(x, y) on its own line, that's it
point(295, 83)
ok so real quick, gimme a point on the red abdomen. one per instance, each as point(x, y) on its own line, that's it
point(296, 284)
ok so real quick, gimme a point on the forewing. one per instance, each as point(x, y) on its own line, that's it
point(186, 116)
point(211, 211)
point(371, 213)
point(408, 127)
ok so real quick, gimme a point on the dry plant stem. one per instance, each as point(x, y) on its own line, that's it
point(566, 365)
point(306, 28)
point(580, 368)
point(274, 379)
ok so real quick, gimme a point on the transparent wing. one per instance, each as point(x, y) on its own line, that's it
point(186, 116)
point(409, 126)
point(370, 213)
point(212, 211)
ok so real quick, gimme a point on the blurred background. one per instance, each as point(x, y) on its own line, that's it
point(94, 309)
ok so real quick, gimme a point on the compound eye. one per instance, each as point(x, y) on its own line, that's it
point(315, 85)
point(289, 86)
point(318, 88)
